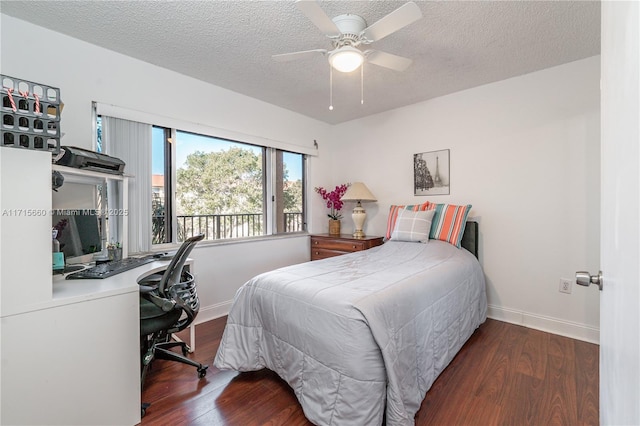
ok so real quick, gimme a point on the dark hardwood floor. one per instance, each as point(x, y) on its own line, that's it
point(504, 375)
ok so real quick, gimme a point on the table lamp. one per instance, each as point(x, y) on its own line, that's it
point(359, 192)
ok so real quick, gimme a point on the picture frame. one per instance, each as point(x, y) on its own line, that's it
point(431, 173)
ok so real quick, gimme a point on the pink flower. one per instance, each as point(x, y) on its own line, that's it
point(333, 199)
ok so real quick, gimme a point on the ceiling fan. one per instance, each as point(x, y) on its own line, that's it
point(348, 33)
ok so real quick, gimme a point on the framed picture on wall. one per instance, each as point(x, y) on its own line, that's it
point(431, 173)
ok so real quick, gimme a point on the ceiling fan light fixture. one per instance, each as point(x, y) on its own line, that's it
point(346, 59)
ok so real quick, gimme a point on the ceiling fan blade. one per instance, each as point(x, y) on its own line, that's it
point(314, 12)
point(387, 60)
point(286, 57)
point(399, 18)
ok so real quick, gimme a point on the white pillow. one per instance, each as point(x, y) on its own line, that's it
point(413, 226)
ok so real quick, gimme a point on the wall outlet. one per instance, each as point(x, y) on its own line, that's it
point(565, 285)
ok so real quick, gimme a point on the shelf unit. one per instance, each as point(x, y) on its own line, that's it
point(90, 177)
point(56, 334)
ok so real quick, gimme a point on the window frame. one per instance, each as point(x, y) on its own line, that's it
point(169, 184)
point(270, 174)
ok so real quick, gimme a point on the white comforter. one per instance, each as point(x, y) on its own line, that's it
point(357, 333)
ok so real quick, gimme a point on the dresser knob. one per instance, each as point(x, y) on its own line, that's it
point(317, 253)
point(354, 247)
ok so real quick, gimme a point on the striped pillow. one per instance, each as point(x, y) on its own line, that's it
point(449, 222)
point(393, 214)
point(413, 226)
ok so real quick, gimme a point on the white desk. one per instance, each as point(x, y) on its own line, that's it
point(75, 359)
point(69, 349)
point(67, 291)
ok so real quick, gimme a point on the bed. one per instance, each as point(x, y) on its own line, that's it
point(362, 335)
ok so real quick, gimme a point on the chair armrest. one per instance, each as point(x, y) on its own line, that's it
point(145, 289)
point(165, 304)
point(151, 280)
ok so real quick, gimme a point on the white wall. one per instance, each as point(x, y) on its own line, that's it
point(86, 73)
point(525, 154)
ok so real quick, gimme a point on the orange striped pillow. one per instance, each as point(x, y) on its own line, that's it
point(449, 223)
point(393, 214)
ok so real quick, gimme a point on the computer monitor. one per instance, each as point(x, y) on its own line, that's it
point(78, 233)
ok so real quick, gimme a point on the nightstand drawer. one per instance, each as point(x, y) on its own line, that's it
point(340, 245)
point(320, 253)
point(325, 245)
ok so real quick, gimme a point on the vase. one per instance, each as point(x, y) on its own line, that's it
point(334, 227)
point(115, 253)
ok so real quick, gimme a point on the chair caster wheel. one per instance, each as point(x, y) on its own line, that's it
point(143, 410)
point(202, 371)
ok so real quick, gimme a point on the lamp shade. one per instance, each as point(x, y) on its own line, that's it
point(358, 191)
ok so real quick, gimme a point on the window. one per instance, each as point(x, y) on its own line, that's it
point(224, 189)
point(161, 199)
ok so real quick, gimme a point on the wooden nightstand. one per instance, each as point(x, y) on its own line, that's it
point(325, 245)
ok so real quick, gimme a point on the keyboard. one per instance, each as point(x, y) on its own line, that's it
point(105, 270)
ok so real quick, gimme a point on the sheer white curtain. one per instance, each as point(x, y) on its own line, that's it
point(130, 141)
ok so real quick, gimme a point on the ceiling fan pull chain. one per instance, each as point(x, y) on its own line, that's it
point(362, 84)
point(330, 88)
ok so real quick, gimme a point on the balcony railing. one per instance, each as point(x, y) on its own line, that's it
point(223, 226)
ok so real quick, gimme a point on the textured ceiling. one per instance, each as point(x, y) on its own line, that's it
point(455, 46)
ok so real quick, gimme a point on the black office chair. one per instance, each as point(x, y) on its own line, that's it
point(168, 304)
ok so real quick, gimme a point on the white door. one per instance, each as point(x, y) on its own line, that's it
point(620, 217)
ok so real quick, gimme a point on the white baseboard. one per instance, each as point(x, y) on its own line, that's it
point(525, 319)
point(551, 325)
point(212, 312)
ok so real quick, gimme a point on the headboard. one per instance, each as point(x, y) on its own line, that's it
point(470, 237)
